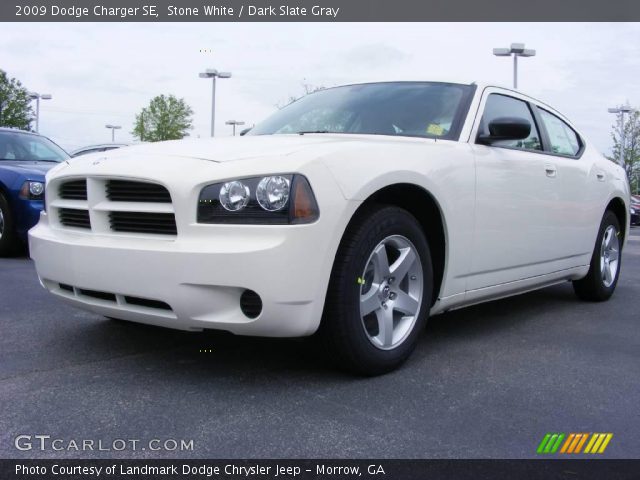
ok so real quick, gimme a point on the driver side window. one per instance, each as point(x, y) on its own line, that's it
point(503, 106)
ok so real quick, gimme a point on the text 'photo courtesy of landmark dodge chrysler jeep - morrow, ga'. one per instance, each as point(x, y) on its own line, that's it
point(355, 212)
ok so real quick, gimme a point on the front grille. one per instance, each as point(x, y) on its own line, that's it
point(143, 222)
point(73, 190)
point(73, 217)
point(129, 191)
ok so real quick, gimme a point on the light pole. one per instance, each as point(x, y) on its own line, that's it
point(212, 73)
point(517, 50)
point(37, 96)
point(113, 131)
point(234, 123)
point(621, 110)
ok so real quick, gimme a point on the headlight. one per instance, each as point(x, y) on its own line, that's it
point(632, 210)
point(272, 199)
point(234, 196)
point(273, 193)
point(32, 191)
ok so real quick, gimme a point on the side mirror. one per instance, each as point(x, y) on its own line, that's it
point(506, 128)
point(244, 131)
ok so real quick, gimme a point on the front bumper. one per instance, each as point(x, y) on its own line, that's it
point(200, 278)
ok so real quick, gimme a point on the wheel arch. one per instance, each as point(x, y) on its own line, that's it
point(423, 205)
point(620, 210)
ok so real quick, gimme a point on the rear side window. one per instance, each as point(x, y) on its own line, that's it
point(564, 141)
point(503, 106)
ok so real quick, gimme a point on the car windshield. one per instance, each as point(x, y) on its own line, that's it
point(23, 147)
point(413, 109)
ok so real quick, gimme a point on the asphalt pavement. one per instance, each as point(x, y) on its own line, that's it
point(485, 382)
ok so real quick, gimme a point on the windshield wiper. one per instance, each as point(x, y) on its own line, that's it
point(302, 132)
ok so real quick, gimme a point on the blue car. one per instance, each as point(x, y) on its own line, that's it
point(25, 157)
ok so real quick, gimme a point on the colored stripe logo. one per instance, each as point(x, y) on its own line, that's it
point(574, 443)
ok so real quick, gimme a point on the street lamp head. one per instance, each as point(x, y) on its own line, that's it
point(527, 52)
point(46, 96)
point(212, 73)
point(209, 73)
point(622, 109)
point(501, 52)
point(517, 47)
point(33, 95)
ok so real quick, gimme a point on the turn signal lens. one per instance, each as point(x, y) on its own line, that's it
point(305, 208)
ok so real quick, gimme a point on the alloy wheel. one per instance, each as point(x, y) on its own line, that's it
point(609, 255)
point(391, 292)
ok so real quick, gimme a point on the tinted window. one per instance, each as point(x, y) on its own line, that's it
point(563, 139)
point(25, 147)
point(417, 109)
point(502, 106)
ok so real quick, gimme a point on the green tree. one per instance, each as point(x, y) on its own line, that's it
point(631, 148)
point(15, 105)
point(166, 118)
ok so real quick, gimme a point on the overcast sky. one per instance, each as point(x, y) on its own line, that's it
point(105, 73)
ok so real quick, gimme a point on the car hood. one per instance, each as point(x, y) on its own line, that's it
point(27, 168)
point(225, 149)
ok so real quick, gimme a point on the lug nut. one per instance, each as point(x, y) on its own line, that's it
point(392, 295)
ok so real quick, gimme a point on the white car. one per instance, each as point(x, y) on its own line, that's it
point(356, 211)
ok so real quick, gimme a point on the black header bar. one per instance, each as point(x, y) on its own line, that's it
point(319, 11)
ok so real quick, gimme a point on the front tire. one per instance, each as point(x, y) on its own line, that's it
point(604, 271)
point(380, 291)
point(8, 239)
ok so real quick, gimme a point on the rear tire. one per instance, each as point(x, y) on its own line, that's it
point(379, 293)
point(9, 242)
point(604, 271)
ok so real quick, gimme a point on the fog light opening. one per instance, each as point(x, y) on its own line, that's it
point(250, 304)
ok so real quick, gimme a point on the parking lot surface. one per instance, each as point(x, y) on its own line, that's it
point(485, 382)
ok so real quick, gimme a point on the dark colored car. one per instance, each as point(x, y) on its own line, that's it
point(25, 157)
point(635, 210)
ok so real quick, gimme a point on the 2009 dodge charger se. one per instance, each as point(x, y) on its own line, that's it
point(356, 211)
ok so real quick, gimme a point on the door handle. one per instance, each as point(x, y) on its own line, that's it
point(550, 170)
point(600, 176)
